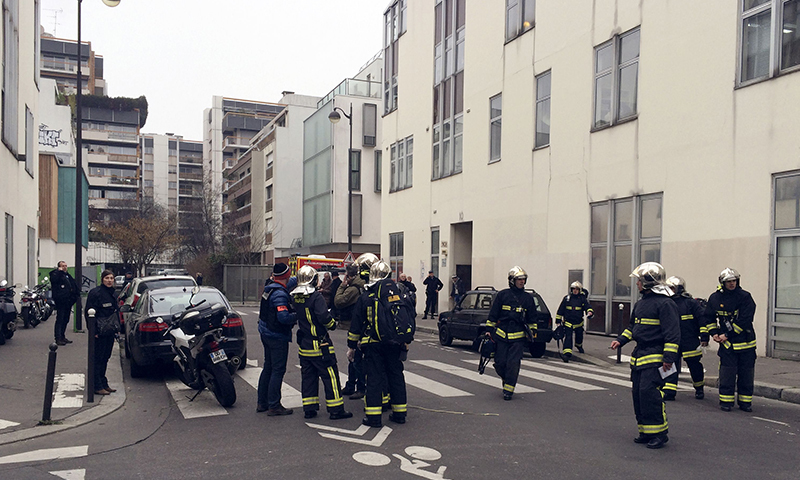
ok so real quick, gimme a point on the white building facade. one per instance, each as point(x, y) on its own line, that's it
point(579, 142)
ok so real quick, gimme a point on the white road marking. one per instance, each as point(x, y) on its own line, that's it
point(360, 431)
point(772, 421)
point(434, 387)
point(290, 396)
point(473, 375)
point(67, 384)
point(46, 454)
point(594, 369)
point(78, 474)
point(380, 437)
point(252, 363)
point(205, 405)
point(7, 423)
point(373, 459)
point(623, 358)
point(543, 377)
point(242, 313)
point(575, 373)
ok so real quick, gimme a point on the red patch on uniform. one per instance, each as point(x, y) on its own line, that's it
point(282, 308)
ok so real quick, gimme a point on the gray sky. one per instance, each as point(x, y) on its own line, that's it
point(179, 53)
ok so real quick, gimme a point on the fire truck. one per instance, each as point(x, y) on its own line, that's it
point(320, 262)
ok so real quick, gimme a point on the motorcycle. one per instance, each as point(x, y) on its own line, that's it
point(30, 307)
point(197, 341)
point(8, 312)
point(46, 304)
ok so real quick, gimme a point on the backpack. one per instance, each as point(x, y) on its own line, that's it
point(394, 314)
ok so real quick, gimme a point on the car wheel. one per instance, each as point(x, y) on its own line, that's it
point(537, 349)
point(444, 336)
point(137, 371)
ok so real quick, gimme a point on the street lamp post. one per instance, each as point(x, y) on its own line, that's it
point(334, 117)
point(79, 210)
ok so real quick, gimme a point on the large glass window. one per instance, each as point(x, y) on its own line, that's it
point(435, 250)
point(519, 17)
point(543, 110)
point(355, 169)
point(394, 20)
point(378, 169)
point(402, 164)
point(616, 77)
point(768, 48)
point(10, 93)
point(396, 254)
point(784, 323)
point(496, 127)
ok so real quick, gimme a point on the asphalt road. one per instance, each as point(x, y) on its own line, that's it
point(577, 422)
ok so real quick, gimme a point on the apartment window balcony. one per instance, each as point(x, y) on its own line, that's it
point(269, 173)
point(232, 142)
point(354, 88)
point(191, 159)
point(190, 176)
point(268, 205)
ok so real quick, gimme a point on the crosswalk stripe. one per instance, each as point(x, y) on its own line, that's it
point(77, 474)
point(205, 405)
point(543, 377)
point(434, 387)
point(46, 454)
point(7, 423)
point(290, 396)
point(622, 374)
point(69, 390)
point(472, 375)
point(576, 373)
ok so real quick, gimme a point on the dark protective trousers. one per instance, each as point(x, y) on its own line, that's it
point(431, 300)
point(507, 361)
point(568, 337)
point(314, 369)
point(384, 374)
point(737, 371)
point(692, 359)
point(103, 346)
point(356, 376)
point(276, 353)
point(648, 402)
point(62, 319)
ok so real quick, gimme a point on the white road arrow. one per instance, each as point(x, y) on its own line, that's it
point(79, 474)
point(380, 437)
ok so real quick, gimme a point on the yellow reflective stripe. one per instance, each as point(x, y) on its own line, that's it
point(653, 429)
point(490, 323)
point(334, 376)
point(559, 317)
point(506, 307)
point(698, 384)
point(693, 353)
point(726, 344)
point(516, 335)
point(334, 402)
point(508, 388)
point(589, 310)
point(726, 398)
point(687, 317)
point(627, 334)
point(703, 329)
point(671, 347)
point(744, 346)
point(373, 410)
point(310, 353)
point(533, 326)
point(647, 359)
point(567, 350)
point(573, 325)
point(500, 333)
point(330, 324)
point(353, 336)
point(648, 321)
point(737, 328)
point(670, 386)
point(569, 308)
point(400, 408)
point(310, 400)
point(745, 398)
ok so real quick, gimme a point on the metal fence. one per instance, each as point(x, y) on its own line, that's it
point(244, 283)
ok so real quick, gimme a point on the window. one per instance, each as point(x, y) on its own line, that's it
point(30, 133)
point(396, 254)
point(435, 250)
point(766, 49)
point(269, 192)
point(355, 170)
point(495, 120)
point(148, 184)
point(784, 321)
point(357, 205)
point(394, 25)
point(173, 185)
point(10, 248)
point(37, 54)
point(31, 256)
point(542, 110)
point(10, 94)
point(378, 169)
point(448, 87)
point(616, 75)
point(369, 124)
point(519, 17)
point(402, 164)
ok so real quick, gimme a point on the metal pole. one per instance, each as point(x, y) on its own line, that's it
point(350, 184)
point(90, 324)
point(619, 349)
point(79, 181)
point(48, 385)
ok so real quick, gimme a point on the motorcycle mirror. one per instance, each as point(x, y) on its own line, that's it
point(195, 290)
point(3, 283)
point(159, 320)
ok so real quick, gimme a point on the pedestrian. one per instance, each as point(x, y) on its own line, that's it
point(383, 360)
point(694, 334)
point(432, 287)
point(101, 298)
point(571, 311)
point(729, 320)
point(346, 297)
point(199, 278)
point(128, 279)
point(335, 283)
point(410, 287)
point(325, 288)
point(276, 317)
point(456, 289)
point(315, 347)
point(511, 323)
point(654, 326)
point(65, 294)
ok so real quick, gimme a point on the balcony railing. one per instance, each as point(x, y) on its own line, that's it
point(355, 88)
point(195, 160)
point(116, 157)
point(268, 205)
point(269, 173)
point(190, 176)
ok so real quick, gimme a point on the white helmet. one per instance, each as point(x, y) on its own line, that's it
point(364, 262)
point(306, 280)
point(378, 271)
point(515, 274)
point(728, 274)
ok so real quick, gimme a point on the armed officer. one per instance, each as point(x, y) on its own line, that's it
point(511, 324)
point(729, 319)
point(693, 334)
point(655, 326)
point(571, 311)
point(317, 358)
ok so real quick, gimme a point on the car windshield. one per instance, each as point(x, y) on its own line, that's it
point(161, 304)
point(167, 282)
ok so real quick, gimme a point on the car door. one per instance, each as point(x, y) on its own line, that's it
point(480, 314)
point(461, 318)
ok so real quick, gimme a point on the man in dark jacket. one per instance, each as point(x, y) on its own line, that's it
point(65, 294)
point(694, 333)
point(655, 326)
point(729, 320)
point(276, 317)
point(346, 297)
point(456, 290)
point(432, 287)
point(571, 312)
point(410, 287)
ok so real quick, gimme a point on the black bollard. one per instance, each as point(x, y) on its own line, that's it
point(619, 349)
point(49, 380)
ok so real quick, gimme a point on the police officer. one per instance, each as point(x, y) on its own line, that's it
point(383, 361)
point(655, 326)
point(317, 357)
point(693, 334)
point(511, 324)
point(571, 311)
point(729, 319)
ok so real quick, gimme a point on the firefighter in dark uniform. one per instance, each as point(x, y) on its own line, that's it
point(655, 326)
point(729, 319)
point(571, 312)
point(511, 325)
point(693, 335)
point(383, 361)
point(317, 358)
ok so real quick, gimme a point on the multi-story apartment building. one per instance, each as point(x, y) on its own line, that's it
point(325, 167)
point(172, 172)
point(578, 142)
point(265, 190)
point(59, 61)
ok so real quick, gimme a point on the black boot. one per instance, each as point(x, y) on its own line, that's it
point(658, 442)
point(340, 415)
point(698, 393)
point(372, 422)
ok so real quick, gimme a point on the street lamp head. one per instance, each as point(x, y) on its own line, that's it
point(111, 3)
point(334, 117)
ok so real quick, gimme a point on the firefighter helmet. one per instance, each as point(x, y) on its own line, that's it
point(306, 280)
point(577, 285)
point(650, 274)
point(516, 273)
point(728, 274)
point(364, 262)
point(378, 271)
point(677, 283)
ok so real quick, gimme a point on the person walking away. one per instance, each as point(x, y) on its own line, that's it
point(693, 335)
point(199, 278)
point(65, 294)
point(432, 287)
point(511, 324)
point(276, 317)
point(383, 360)
point(729, 320)
point(346, 297)
point(315, 348)
point(101, 298)
point(573, 306)
point(654, 326)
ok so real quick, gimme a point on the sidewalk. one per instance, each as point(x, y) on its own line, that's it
point(22, 383)
point(776, 379)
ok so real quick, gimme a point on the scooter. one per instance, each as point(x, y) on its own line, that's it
point(8, 312)
point(197, 341)
point(46, 304)
point(30, 307)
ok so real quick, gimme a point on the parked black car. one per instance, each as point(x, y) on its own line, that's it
point(467, 321)
point(143, 337)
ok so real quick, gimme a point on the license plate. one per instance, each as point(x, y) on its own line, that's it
point(218, 356)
